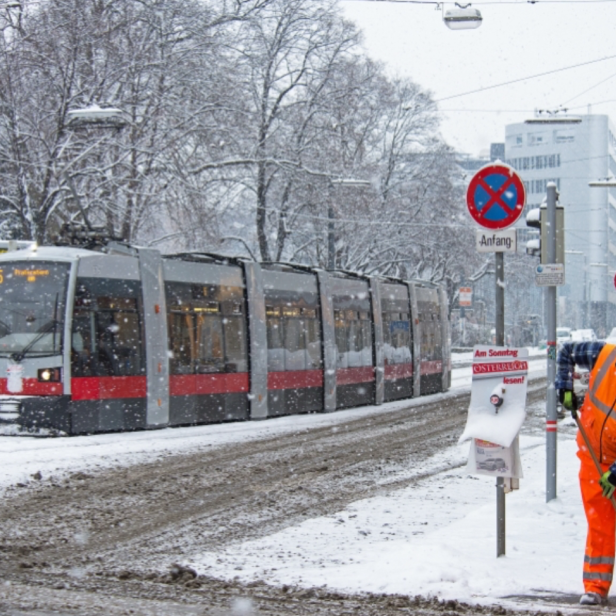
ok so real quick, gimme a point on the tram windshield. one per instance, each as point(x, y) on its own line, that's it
point(32, 307)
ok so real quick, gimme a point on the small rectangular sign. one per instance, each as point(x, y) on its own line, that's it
point(487, 458)
point(550, 275)
point(496, 241)
point(466, 296)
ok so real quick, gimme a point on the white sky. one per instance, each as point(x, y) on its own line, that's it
point(516, 40)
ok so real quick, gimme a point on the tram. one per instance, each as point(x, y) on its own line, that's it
point(124, 338)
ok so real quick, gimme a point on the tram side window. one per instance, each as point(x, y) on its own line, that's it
point(107, 338)
point(396, 337)
point(386, 320)
point(353, 338)
point(275, 337)
point(341, 339)
point(366, 349)
point(312, 329)
point(438, 343)
point(431, 348)
point(206, 335)
point(235, 339)
point(293, 338)
point(182, 342)
point(294, 344)
point(210, 356)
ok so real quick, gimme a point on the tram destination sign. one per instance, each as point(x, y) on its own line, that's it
point(496, 196)
point(496, 241)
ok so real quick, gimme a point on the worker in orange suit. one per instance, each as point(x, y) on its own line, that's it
point(598, 420)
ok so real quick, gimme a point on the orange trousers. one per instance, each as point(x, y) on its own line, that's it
point(601, 517)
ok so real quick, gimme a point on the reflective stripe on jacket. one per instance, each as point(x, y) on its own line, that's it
point(599, 409)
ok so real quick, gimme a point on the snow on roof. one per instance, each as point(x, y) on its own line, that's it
point(47, 253)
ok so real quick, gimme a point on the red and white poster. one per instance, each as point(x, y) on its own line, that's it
point(498, 394)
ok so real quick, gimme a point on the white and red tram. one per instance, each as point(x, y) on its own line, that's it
point(128, 338)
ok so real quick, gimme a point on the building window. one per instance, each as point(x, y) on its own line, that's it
point(537, 138)
point(564, 136)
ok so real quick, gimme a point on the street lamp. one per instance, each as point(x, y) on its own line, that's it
point(462, 18)
point(101, 117)
point(96, 117)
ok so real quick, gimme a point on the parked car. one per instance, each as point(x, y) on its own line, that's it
point(563, 334)
point(583, 335)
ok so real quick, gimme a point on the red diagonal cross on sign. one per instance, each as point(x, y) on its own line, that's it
point(495, 196)
point(504, 204)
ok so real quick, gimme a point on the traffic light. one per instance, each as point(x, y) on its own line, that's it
point(533, 219)
point(537, 219)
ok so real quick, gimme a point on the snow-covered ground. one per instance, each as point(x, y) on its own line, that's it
point(437, 537)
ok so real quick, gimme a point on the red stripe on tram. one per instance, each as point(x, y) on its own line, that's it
point(33, 387)
point(350, 376)
point(295, 379)
point(398, 371)
point(108, 387)
point(431, 367)
point(203, 384)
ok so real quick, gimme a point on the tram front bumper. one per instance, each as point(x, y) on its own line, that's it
point(10, 410)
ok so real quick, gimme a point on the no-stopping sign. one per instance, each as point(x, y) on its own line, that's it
point(496, 196)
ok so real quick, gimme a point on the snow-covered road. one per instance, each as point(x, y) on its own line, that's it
point(435, 537)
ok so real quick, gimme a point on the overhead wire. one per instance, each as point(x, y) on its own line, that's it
point(589, 89)
point(493, 2)
point(570, 108)
point(527, 78)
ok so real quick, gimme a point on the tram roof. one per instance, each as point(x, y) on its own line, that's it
point(41, 253)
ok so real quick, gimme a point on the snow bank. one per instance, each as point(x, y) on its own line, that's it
point(437, 538)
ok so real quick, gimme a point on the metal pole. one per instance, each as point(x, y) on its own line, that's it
point(586, 294)
point(499, 258)
point(500, 298)
point(331, 239)
point(551, 417)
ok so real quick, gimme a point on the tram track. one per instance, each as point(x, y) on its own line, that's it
point(118, 532)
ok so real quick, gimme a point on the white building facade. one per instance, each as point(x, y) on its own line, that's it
point(572, 155)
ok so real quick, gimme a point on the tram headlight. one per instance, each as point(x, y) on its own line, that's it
point(50, 375)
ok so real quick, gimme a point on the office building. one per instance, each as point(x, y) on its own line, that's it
point(572, 155)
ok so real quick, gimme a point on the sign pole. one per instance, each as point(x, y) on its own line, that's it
point(550, 295)
point(499, 259)
point(495, 199)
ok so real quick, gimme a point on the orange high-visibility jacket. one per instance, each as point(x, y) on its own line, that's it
point(599, 408)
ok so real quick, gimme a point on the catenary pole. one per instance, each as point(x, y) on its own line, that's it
point(499, 259)
point(331, 238)
point(550, 296)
